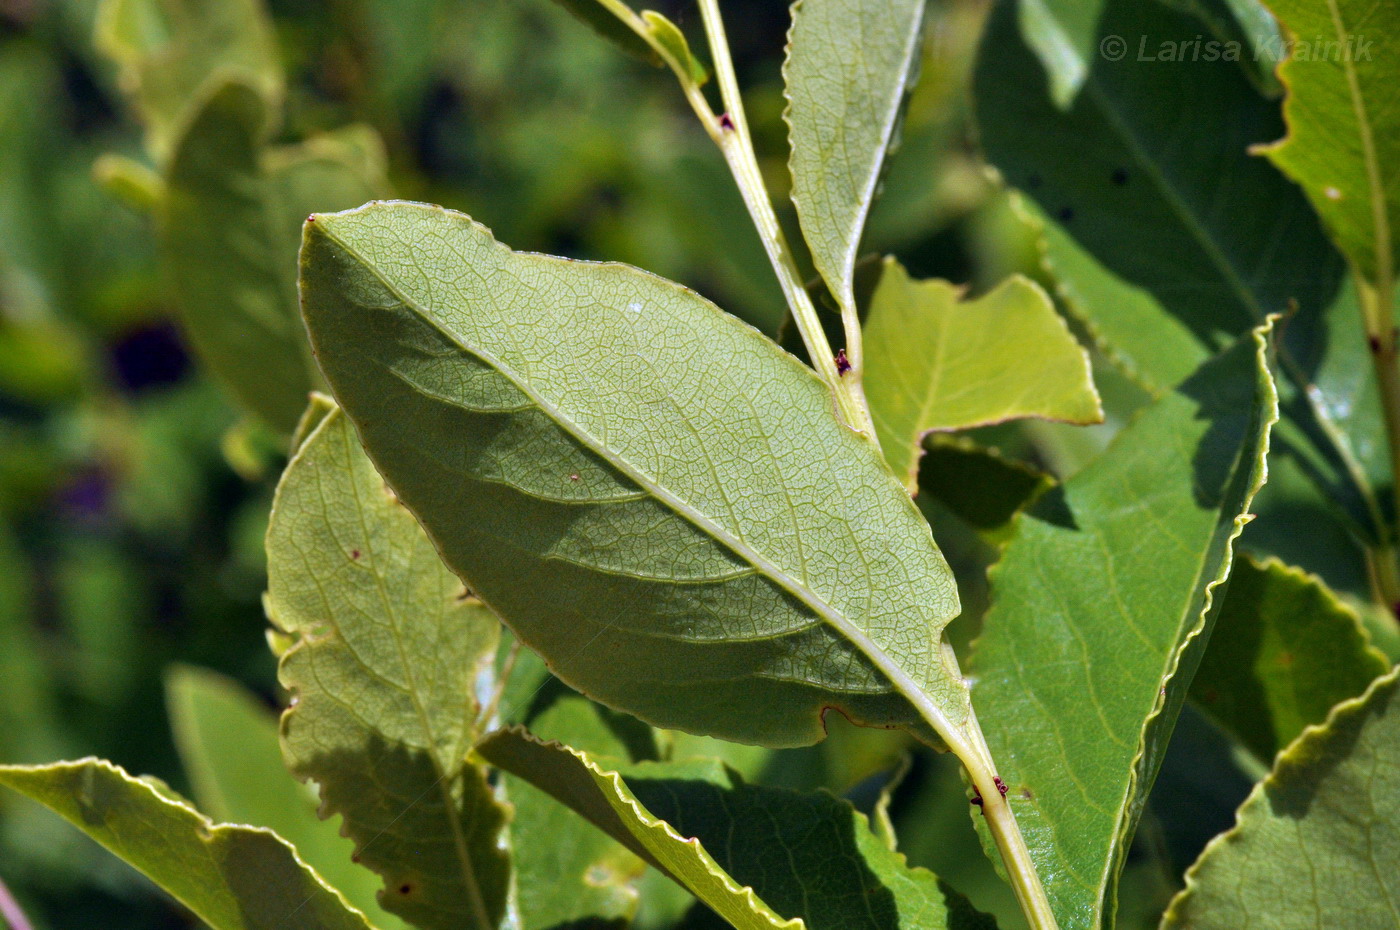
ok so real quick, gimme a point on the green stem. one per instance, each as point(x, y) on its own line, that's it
point(731, 133)
point(1377, 310)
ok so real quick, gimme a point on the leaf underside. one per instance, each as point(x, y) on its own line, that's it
point(649, 492)
point(384, 666)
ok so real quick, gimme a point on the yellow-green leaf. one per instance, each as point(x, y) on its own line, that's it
point(936, 362)
point(232, 877)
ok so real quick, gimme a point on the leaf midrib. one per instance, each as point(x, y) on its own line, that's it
point(903, 683)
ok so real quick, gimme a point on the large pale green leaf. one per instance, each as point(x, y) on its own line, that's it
point(1317, 844)
point(1064, 34)
point(232, 877)
point(936, 362)
point(388, 652)
point(1284, 652)
point(750, 853)
point(172, 54)
point(850, 66)
point(228, 744)
point(1101, 605)
point(651, 493)
point(229, 224)
point(1343, 114)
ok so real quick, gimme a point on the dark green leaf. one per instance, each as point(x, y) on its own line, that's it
point(809, 855)
point(1101, 604)
point(1284, 651)
point(1317, 845)
point(979, 485)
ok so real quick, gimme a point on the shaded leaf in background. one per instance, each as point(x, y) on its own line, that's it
point(1343, 116)
point(1064, 35)
point(1101, 604)
point(980, 485)
point(1285, 650)
point(232, 877)
point(228, 228)
point(1158, 222)
point(228, 743)
point(584, 444)
point(850, 67)
point(384, 674)
point(1317, 844)
point(808, 855)
point(609, 18)
point(937, 363)
point(172, 55)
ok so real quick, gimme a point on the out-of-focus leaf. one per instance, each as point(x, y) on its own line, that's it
point(1343, 115)
point(1317, 844)
point(232, 877)
point(1285, 650)
point(750, 853)
point(979, 485)
point(228, 744)
point(674, 564)
point(850, 66)
point(1101, 605)
point(384, 673)
point(937, 363)
point(137, 185)
point(172, 55)
point(229, 226)
point(1064, 35)
point(613, 19)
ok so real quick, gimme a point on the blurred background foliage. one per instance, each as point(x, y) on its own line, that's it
point(133, 501)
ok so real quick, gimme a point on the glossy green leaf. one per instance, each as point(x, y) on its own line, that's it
point(229, 228)
point(624, 473)
point(936, 362)
point(1317, 844)
point(850, 66)
point(1179, 221)
point(1101, 604)
point(750, 853)
point(384, 672)
point(1064, 35)
point(1343, 115)
point(172, 56)
point(232, 877)
point(1157, 244)
point(981, 486)
point(1285, 650)
point(228, 744)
